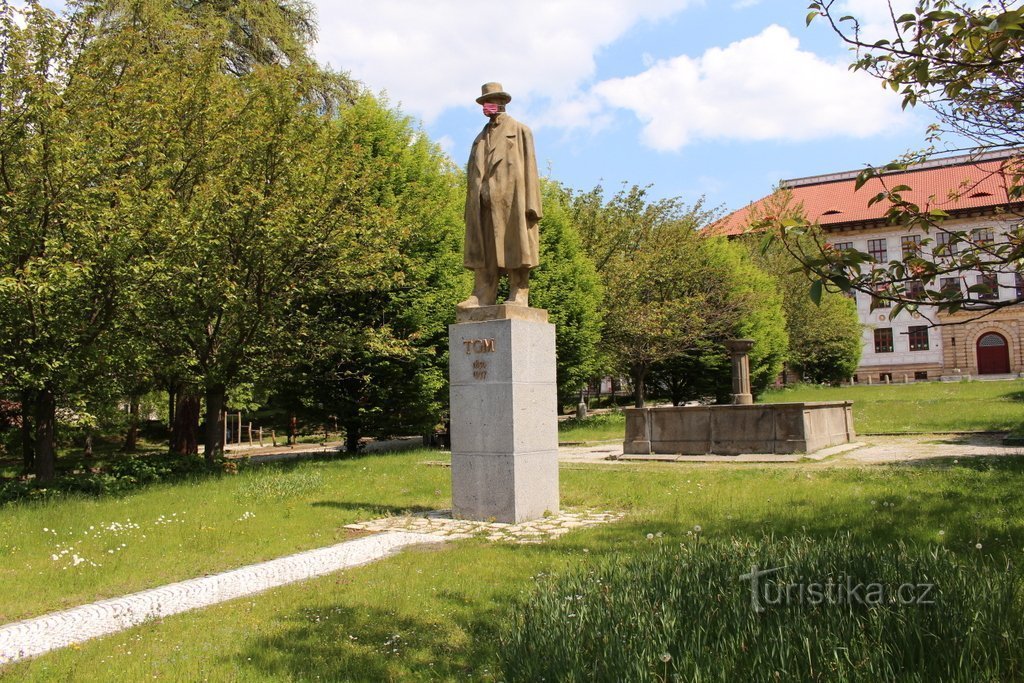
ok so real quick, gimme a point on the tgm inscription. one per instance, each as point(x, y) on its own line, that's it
point(478, 346)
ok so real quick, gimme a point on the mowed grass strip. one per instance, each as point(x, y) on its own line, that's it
point(70, 550)
point(432, 614)
point(922, 407)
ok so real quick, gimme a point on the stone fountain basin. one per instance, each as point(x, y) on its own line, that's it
point(738, 429)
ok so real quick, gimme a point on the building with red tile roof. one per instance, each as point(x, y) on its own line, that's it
point(974, 191)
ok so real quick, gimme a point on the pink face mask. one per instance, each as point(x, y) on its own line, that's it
point(491, 108)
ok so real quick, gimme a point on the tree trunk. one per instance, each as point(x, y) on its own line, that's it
point(639, 385)
point(87, 450)
point(172, 400)
point(46, 416)
point(185, 428)
point(213, 445)
point(28, 450)
point(131, 437)
point(352, 438)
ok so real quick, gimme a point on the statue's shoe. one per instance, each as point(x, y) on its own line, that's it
point(518, 297)
point(471, 302)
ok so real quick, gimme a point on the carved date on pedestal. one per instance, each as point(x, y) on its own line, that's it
point(480, 369)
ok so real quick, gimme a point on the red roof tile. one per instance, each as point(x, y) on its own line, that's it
point(832, 200)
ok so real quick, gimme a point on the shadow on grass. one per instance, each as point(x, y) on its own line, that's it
point(383, 510)
point(339, 642)
point(120, 474)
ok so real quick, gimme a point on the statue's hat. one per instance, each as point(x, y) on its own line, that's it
point(493, 91)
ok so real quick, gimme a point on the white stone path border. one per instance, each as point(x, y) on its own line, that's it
point(33, 637)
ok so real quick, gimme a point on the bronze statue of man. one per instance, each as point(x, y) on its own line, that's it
point(502, 204)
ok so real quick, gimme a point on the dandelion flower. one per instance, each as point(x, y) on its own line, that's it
point(697, 528)
point(650, 537)
point(942, 532)
point(666, 657)
point(977, 546)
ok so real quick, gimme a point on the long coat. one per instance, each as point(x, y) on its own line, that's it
point(503, 165)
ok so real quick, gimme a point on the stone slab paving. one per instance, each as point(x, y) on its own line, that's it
point(919, 448)
point(33, 637)
point(439, 523)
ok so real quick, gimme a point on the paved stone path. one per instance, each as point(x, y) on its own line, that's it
point(919, 448)
point(34, 637)
point(440, 524)
point(870, 449)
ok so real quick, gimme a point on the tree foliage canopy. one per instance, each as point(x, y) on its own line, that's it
point(670, 290)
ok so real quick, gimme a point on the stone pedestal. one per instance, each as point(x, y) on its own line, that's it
point(738, 349)
point(504, 427)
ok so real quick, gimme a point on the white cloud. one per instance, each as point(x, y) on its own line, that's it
point(874, 17)
point(430, 56)
point(760, 88)
point(745, 4)
point(578, 111)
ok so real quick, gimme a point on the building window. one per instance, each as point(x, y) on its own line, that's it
point(918, 338)
point(883, 340)
point(878, 251)
point(885, 377)
point(920, 374)
point(992, 283)
point(982, 236)
point(877, 301)
point(915, 289)
point(944, 244)
point(950, 285)
point(911, 245)
point(1018, 281)
point(842, 246)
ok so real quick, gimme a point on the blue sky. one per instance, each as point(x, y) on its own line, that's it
point(713, 98)
point(721, 98)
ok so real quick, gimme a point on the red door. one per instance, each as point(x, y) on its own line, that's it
point(993, 354)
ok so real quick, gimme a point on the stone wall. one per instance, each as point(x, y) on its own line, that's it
point(736, 429)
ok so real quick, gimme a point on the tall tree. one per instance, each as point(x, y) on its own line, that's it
point(704, 369)
point(74, 205)
point(567, 285)
point(660, 296)
point(372, 348)
point(824, 335)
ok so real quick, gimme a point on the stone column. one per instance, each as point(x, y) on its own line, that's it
point(739, 348)
point(504, 422)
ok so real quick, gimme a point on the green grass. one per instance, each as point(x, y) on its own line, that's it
point(820, 609)
point(923, 407)
point(170, 532)
point(445, 605)
point(877, 409)
point(600, 427)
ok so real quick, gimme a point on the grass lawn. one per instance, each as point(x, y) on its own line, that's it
point(923, 407)
point(433, 614)
point(595, 428)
